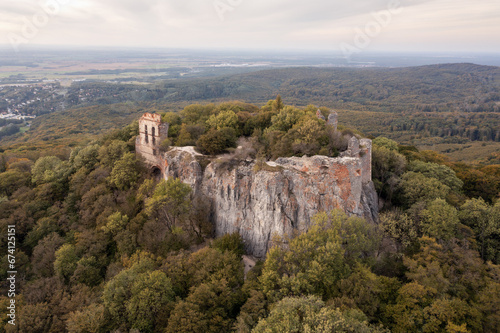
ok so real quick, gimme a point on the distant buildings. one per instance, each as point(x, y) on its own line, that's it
point(13, 116)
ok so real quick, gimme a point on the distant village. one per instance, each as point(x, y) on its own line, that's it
point(14, 116)
point(26, 101)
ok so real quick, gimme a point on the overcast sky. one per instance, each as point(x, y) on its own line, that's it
point(413, 25)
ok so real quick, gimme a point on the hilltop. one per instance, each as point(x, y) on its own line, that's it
point(103, 244)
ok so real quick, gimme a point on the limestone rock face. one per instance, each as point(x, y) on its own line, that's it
point(180, 162)
point(275, 197)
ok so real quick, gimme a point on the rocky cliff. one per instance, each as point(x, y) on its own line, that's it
point(262, 199)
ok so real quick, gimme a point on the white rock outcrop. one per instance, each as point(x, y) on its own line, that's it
point(277, 197)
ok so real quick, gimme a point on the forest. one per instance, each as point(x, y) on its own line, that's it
point(435, 88)
point(457, 101)
point(104, 246)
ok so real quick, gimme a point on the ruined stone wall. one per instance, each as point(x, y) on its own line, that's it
point(333, 119)
point(365, 156)
point(151, 133)
point(362, 150)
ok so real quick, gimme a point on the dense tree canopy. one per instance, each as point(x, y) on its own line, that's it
point(103, 246)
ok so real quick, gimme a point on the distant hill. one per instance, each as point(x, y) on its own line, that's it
point(448, 87)
point(449, 100)
point(438, 87)
point(426, 105)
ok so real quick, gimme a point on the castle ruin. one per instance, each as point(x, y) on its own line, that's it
point(275, 200)
point(152, 132)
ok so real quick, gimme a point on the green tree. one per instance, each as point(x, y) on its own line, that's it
point(88, 271)
point(309, 314)
point(286, 118)
point(184, 138)
point(260, 121)
point(125, 242)
point(308, 136)
point(171, 118)
point(48, 169)
point(116, 223)
point(86, 157)
point(88, 320)
point(223, 119)
point(165, 145)
point(417, 187)
point(370, 293)
point(440, 172)
point(44, 227)
point(203, 266)
point(111, 153)
point(408, 312)
point(170, 202)
point(197, 113)
point(479, 184)
point(66, 261)
point(150, 303)
point(489, 303)
point(445, 315)
point(439, 220)
point(385, 142)
point(254, 309)
point(400, 227)
point(450, 268)
point(314, 262)
point(485, 221)
point(217, 141)
point(3, 163)
point(277, 104)
point(230, 242)
point(11, 180)
point(388, 166)
point(124, 174)
point(210, 307)
point(118, 291)
point(189, 134)
point(187, 317)
point(419, 309)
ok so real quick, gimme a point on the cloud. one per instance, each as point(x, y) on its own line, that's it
point(259, 23)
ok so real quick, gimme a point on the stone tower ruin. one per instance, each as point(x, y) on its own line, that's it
point(152, 132)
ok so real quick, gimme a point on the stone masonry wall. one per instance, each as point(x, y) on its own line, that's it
point(151, 133)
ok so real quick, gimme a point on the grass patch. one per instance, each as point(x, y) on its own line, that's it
point(204, 161)
point(464, 152)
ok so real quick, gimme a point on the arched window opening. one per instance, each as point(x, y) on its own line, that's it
point(153, 134)
point(146, 132)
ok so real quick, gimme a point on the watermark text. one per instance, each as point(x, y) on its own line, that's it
point(32, 25)
point(11, 274)
point(224, 6)
point(364, 35)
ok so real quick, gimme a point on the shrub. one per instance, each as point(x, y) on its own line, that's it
point(217, 141)
point(230, 242)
